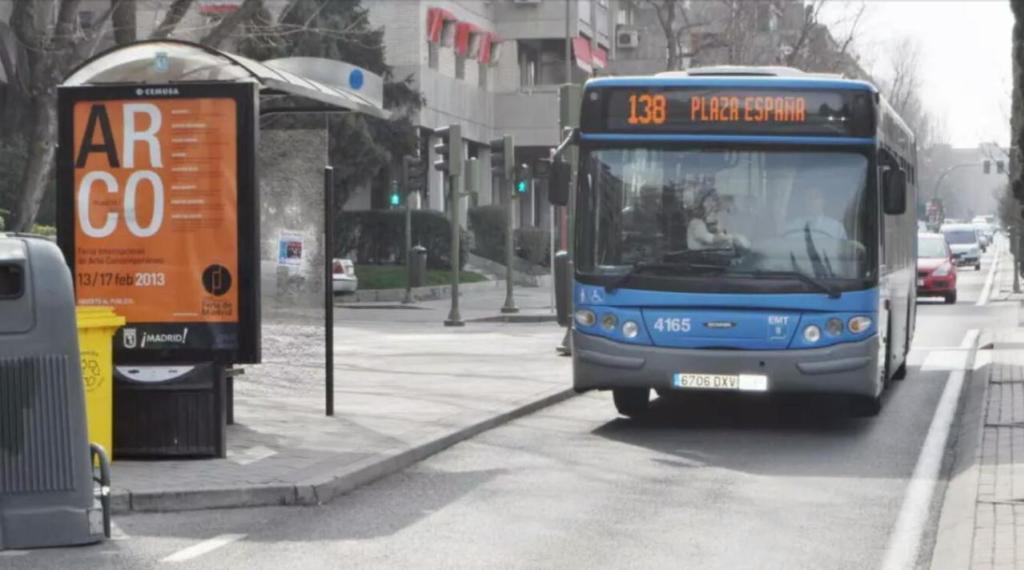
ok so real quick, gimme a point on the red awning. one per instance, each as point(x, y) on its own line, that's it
point(436, 17)
point(600, 58)
point(218, 7)
point(581, 50)
point(487, 52)
point(463, 31)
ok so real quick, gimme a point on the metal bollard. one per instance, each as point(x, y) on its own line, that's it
point(418, 278)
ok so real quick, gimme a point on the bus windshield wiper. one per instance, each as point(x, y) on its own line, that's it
point(816, 283)
point(644, 266)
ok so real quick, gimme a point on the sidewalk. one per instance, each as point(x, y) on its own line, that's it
point(405, 387)
point(982, 520)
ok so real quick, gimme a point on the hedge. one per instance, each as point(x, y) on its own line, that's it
point(378, 236)
point(488, 224)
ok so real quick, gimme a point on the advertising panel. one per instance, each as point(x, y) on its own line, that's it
point(157, 216)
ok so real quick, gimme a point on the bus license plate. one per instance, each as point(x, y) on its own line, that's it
point(741, 382)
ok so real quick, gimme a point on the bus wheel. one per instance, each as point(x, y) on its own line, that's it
point(865, 406)
point(632, 402)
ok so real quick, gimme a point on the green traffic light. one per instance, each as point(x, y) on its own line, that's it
point(521, 187)
point(395, 199)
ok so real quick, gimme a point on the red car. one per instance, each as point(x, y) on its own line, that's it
point(936, 272)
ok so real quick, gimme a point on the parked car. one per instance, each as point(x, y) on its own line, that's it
point(983, 240)
point(936, 271)
point(345, 279)
point(963, 241)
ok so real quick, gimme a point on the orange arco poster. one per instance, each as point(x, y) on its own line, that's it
point(153, 183)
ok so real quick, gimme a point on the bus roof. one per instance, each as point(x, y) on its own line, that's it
point(679, 79)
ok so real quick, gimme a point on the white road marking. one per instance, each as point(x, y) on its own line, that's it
point(250, 454)
point(986, 291)
point(905, 540)
point(204, 547)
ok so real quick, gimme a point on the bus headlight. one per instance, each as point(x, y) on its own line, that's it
point(859, 324)
point(586, 317)
point(812, 334)
point(630, 329)
point(834, 326)
point(608, 322)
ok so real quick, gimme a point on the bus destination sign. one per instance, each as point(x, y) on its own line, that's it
point(691, 110)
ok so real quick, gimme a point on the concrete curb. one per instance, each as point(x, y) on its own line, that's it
point(429, 293)
point(954, 536)
point(322, 489)
point(514, 318)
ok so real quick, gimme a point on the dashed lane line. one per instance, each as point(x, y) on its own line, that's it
point(203, 548)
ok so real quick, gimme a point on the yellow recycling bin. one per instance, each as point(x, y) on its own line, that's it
point(96, 328)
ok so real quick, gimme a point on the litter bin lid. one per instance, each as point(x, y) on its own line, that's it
point(97, 317)
point(153, 373)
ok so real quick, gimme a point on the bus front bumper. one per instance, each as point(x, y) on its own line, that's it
point(849, 368)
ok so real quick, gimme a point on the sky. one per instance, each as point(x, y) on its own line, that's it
point(965, 58)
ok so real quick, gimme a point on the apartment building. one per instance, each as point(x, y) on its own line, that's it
point(494, 68)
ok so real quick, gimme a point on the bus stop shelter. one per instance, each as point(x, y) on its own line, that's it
point(125, 91)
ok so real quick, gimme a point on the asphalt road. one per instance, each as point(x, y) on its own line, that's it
point(703, 483)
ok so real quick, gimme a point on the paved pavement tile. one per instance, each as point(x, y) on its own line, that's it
point(396, 382)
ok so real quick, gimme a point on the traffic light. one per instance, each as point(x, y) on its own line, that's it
point(449, 150)
point(395, 198)
point(413, 172)
point(521, 183)
point(986, 166)
point(503, 157)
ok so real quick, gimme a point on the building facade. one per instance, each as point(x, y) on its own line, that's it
point(494, 68)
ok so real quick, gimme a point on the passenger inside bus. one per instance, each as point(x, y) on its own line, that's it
point(706, 229)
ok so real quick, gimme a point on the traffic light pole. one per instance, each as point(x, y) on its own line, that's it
point(454, 318)
point(510, 302)
point(408, 249)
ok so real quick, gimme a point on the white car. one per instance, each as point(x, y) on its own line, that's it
point(345, 279)
point(963, 241)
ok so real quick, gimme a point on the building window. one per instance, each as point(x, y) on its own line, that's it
point(481, 73)
point(86, 18)
point(432, 55)
point(460, 66)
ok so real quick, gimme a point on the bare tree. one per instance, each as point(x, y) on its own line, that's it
point(51, 43)
point(686, 32)
point(816, 45)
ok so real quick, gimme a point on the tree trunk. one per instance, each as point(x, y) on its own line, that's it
point(39, 166)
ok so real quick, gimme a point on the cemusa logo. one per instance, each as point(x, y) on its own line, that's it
point(165, 338)
point(156, 91)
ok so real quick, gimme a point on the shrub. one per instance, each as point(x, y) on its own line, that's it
point(378, 236)
point(534, 246)
point(488, 225)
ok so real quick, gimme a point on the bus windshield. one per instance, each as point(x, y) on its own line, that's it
point(725, 213)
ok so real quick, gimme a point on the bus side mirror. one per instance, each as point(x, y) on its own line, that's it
point(558, 183)
point(894, 197)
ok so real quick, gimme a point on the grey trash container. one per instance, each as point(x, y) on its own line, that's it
point(47, 495)
point(419, 266)
point(170, 411)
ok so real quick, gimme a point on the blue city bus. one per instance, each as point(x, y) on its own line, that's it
point(745, 230)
